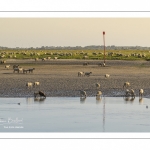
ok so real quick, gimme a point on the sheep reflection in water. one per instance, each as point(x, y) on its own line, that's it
point(39, 96)
point(98, 99)
point(140, 100)
point(82, 99)
point(128, 98)
point(39, 99)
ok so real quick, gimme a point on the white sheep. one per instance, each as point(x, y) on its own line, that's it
point(43, 59)
point(141, 91)
point(7, 66)
point(48, 58)
point(107, 75)
point(126, 85)
point(83, 93)
point(36, 59)
point(29, 84)
point(99, 93)
point(36, 83)
point(97, 85)
point(80, 74)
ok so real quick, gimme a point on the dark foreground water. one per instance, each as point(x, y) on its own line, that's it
point(72, 114)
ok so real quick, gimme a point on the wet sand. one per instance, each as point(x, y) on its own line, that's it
point(59, 78)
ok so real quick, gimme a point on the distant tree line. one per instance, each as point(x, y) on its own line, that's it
point(91, 47)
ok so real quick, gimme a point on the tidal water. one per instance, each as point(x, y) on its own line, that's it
point(72, 114)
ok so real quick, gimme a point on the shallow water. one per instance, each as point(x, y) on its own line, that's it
point(72, 114)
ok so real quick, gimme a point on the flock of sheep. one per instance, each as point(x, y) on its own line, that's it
point(17, 68)
point(128, 92)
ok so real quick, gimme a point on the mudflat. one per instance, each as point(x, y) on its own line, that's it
point(59, 78)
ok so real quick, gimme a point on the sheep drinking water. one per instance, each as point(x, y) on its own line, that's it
point(40, 93)
point(130, 93)
point(141, 91)
point(99, 93)
point(83, 94)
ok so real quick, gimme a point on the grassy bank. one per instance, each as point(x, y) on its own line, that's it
point(76, 54)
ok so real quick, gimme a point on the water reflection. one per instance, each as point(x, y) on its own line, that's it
point(98, 99)
point(39, 99)
point(104, 115)
point(128, 98)
point(140, 100)
point(82, 99)
point(29, 100)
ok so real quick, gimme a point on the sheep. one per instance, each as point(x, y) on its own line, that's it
point(48, 58)
point(99, 93)
point(43, 59)
point(36, 59)
point(42, 94)
point(80, 74)
point(36, 83)
point(141, 91)
point(101, 64)
point(29, 84)
point(31, 70)
point(126, 85)
point(25, 70)
point(97, 85)
point(83, 93)
point(85, 63)
point(85, 57)
point(127, 93)
point(107, 75)
point(3, 61)
point(7, 66)
point(87, 74)
point(18, 69)
point(36, 94)
point(15, 66)
point(132, 93)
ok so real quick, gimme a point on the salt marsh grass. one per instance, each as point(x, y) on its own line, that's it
point(76, 54)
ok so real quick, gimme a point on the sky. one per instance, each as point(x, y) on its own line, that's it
point(37, 32)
